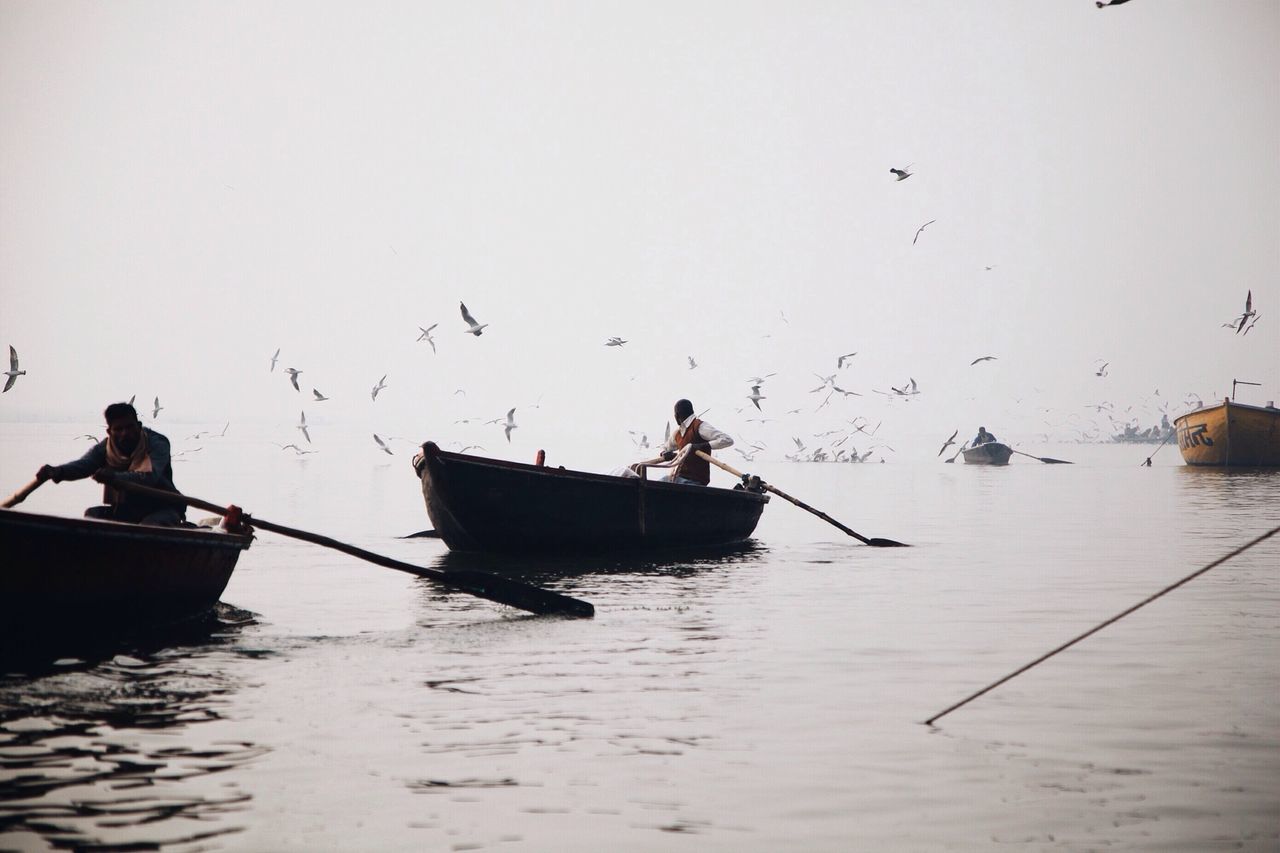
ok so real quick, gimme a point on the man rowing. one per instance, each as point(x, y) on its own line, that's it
point(130, 453)
point(983, 437)
point(690, 435)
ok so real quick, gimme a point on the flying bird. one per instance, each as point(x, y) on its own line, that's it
point(759, 380)
point(273, 360)
point(1102, 5)
point(901, 174)
point(949, 442)
point(510, 424)
point(1256, 318)
point(475, 328)
point(1248, 312)
point(921, 229)
point(319, 397)
point(383, 445)
point(302, 425)
point(13, 372)
point(842, 359)
point(293, 377)
point(614, 342)
point(155, 410)
point(982, 358)
point(692, 364)
point(755, 396)
point(1102, 371)
point(426, 335)
point(382, 383)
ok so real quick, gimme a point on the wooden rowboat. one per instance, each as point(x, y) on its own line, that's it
point(991, 453)
point(479, 504)
point(63, 576)
point(1230, 434)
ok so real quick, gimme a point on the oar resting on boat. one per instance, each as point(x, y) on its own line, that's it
point(481, 584)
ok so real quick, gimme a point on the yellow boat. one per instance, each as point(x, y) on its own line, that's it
point(1230, 433)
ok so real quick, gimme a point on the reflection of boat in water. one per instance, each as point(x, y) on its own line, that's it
point(479, 504)
point(76, 575)
point(540, 567)
point(991, 453)
point(1230, 433)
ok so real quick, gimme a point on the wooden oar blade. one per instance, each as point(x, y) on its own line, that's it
point(877, 542)
point(1049, 460)
point(513, 593)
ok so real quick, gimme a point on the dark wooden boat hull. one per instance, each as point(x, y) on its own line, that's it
point(479, 504)
point(74, 575)
point(993, 453)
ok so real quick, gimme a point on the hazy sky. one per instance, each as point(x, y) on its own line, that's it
point(185, 187)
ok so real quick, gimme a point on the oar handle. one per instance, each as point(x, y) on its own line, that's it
point(482, 584)
point(21, 495)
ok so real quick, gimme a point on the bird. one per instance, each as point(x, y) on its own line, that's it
point(426, 335)
point(319, 397)
point(131, 398)
point(1102, 5)
point(902, 174)
point(1248, 311)
point(293, 377)
point(273, 360)
point(295, 448)
point(755, 396)
point(13, 372)
point(799, 443)
point(692, 364)
point(88, 436)
point(759, 380)
point(1256, 318)
point(826, 380)
point(614, 342)
point(510, 424)
point(949, 442)
point(982, 358)
point(383, 445)
point(842, 359)
point(1102, 371)
point(155, 410)
point(475, 328)
point(302, 425)
point(835, 387)
point(382, 383)
point(920, 229)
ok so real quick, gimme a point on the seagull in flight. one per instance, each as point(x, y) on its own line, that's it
point(826, 380)
point(1249, 328)
point(692, 364)
point(1248, 312)
point(921, 229)
point(383, 445)
point(475, 328)
point(426, 335)
point(901, 174)
point(842, 359)
point(273, 360)
point(319, 397)
point(614, 342)
point(510, 424)
point(293, 377)
point(13, 372)
point(1102, 371)
point(949, 442)
point(755, 396)
point(382, 383)
point(302, 425)
point(155, 410)
point(295, 448)
point(759, 380)
point(982, 358)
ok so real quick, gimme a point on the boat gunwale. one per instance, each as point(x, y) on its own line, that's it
point(1272, 410)
point(143, 533)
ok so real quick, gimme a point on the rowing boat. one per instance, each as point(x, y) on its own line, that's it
point(1230, 434)
point(991, 453)
point(482, 504)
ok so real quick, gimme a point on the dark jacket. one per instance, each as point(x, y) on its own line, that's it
point(159, 477)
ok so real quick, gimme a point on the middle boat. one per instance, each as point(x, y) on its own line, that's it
point(479, 504)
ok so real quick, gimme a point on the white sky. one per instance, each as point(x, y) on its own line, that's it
point(185, 187)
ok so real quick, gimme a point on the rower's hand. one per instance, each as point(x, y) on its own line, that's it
point(46, 472)
point(668, 455)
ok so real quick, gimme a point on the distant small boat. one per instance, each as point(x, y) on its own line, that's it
point(76, 576)
point(991, 453)
point(480, 504)
point(1230, 434)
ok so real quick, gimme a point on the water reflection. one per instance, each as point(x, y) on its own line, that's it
point(104, 751)
point(1210, 496)
point(678, 562)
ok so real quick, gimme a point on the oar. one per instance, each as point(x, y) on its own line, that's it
point(958, 452)
point(482, 584)
point(21, 495)
point(1048, 460)
point(876, 542)
point(1157, 450)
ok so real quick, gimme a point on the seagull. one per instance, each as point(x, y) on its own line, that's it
point(759, 380)
point(835, 387)
point(273, 360)
point(692, 363)
point(476, 328)
point(155, 410)
point(13, 372)
point(755, 396)
point(319, 397)
point(383, 445)
point(510, 424)
point(295, 448)
point(131, 398)
point(293, 377)
point(1248, 311)
point(982, 358)
point(799, 444)
point(902, 174)
point(302, 425)
point(1102, 371)
point(1256, 318)
point(842, 359)
point(382, 383)
point(426, 335)
point(826, 380)
point(950, 441)
point(86, 435)
point(920, 229)
point(614, 342)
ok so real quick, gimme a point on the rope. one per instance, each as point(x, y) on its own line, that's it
point(1099, 627)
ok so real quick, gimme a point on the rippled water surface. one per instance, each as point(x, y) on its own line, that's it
point(765, 698)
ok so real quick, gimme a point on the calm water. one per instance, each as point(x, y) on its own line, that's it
point(766, 699)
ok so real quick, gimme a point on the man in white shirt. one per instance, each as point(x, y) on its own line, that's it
point(692, 434)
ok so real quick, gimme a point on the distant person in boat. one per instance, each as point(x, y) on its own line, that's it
point(983, 437)
point(691, 434)
point(131, 453)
